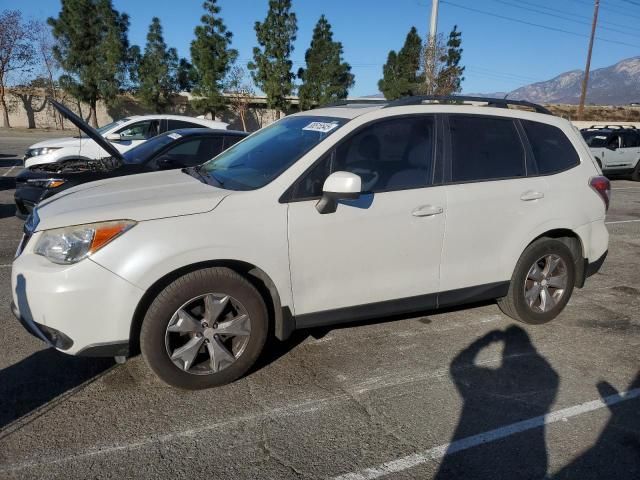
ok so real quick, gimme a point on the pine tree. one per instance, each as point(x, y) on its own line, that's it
point(327, 78)
point(185, 75)
point(400, 75)
point(157, 70)
point(271, 66)
point(212, 58)
point(452, 69)
point(92, 48)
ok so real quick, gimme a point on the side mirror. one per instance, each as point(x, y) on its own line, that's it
point(338, 186)
point(113, 137)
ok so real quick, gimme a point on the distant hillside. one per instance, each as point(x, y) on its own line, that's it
point(618, 84)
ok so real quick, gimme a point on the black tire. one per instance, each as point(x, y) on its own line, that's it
point(201, 282)
point(515, 305)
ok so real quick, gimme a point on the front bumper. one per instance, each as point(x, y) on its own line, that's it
point(80, 309)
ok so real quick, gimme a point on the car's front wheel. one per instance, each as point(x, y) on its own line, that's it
point(541, 284)
point(205, 329)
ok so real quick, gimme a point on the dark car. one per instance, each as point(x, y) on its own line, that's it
point(177, 149)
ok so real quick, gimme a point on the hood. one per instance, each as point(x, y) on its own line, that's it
point(147, 196)
point(90, 131)
point(60, 142)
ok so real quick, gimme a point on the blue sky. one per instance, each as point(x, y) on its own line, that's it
point(500, 54)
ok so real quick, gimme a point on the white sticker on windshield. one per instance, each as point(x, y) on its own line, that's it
point(175, 136)
point(321, 127)
point(601, 137)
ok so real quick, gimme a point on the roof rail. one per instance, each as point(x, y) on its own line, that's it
point(613, 126)
point(356, 101)
point(491, 102)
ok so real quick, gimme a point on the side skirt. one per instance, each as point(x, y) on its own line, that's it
point(402, 306)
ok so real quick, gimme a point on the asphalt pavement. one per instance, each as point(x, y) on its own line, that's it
point(462, 393)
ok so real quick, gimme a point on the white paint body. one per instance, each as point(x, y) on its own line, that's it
point(461, 235)
point(86, 148)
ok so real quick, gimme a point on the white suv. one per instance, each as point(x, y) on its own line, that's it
point(124, 134)
point(616, 148)
point(326, 216)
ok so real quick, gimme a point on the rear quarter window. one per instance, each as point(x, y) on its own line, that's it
point(552, 150)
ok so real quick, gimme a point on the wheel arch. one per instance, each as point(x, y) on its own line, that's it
point(281, 322)
point(575, 244)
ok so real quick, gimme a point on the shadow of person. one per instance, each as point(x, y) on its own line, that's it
point(522, 387)
point(616, 453)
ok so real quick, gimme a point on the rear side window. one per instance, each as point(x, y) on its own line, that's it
point(485, 148)
point(630, 140)
point(551, 148)
point(177, 124)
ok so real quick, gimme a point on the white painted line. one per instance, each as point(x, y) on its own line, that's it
point(622, 221)
point(9, 171)
point(410, 461)
point(6, 265)
point(625, 188)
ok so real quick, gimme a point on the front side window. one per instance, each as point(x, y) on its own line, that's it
point(263, 156)
point(140, 130)
point(595, 139)
point(394, 154)
point(485, 148)
point(552, 150)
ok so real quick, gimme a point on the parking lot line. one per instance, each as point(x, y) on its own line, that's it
point(625, 188)
point(440, 451)
point(9, 171)
point(622, 221)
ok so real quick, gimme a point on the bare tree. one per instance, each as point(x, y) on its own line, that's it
point(239, 92)
point(16, 52)
point(43, 43)
point(441, 69)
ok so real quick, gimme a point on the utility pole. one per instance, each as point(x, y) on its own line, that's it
point(585, 79)
point(433, 24)
point(431, 49)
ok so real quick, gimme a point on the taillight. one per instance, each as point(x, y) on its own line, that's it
point(602, 187)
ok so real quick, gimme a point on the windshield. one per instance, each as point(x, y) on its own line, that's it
point(261, 157)
point(595, 139)
point(148, 149)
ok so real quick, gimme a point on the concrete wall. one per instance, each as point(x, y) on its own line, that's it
point(28, 109)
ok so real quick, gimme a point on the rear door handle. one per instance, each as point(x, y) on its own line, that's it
point(426, 211)
point(531, 195)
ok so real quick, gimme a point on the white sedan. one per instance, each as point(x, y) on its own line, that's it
point(124, 134)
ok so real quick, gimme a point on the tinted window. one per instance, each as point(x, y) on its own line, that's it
point(231, 140)
point(552, 149)
point(267, 153)
point(192, 152)
point(485, 148)
point(176, 124)
point(146, 150)
point(140, 130)
point(630, 140)
point(595, 139)
point(389, 155)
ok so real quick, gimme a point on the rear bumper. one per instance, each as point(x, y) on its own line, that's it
point(617, 171)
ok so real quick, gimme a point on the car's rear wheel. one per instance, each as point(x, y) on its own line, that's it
point(205, 329)
point(542, 282)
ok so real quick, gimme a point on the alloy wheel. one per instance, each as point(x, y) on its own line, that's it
point(546, 283)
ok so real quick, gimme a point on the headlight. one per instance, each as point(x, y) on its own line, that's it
point(34, 152)
point(46, 182)
point(72, 244)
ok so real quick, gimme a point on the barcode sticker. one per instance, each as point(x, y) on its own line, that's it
point(321, 127)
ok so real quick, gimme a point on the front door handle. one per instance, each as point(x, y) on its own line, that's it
point(531, 195)
point(427, 211)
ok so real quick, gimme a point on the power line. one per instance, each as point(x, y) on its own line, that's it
point(546, 27)
point(565, 18)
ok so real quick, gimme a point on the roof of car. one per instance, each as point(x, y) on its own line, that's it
point(190, 132)
point(354, 108)
point(184, 118)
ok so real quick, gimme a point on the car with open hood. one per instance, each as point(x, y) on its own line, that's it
point(324, 217)
point(123, 134)
point(180, 148)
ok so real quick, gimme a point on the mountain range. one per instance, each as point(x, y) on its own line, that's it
point(617, 84)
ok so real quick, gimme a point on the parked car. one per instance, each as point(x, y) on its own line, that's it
point(123, 134)
point(616, 148)
point(326, 216)
point(181, 148)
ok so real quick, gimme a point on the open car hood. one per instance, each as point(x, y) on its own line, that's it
point(90, 131)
